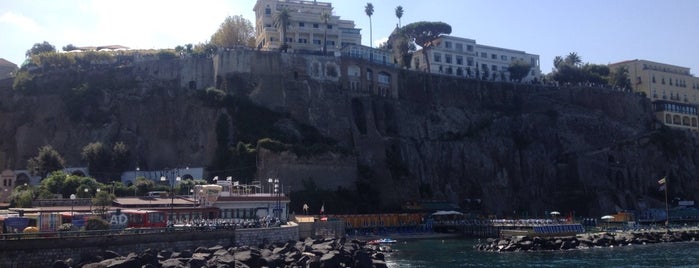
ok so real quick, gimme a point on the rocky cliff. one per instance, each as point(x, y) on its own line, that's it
point(502, 148)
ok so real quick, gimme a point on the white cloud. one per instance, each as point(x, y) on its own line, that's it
point(380, 41)
point(22, 22)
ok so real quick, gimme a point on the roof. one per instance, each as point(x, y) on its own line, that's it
point(4, 62)
point(153, 201)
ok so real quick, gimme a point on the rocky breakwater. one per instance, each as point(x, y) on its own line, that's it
point(588, 240)
point(308, 253)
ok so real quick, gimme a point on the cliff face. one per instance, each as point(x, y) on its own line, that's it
point(502, 148)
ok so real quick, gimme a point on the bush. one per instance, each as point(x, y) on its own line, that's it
point(272, 145)
point(96, 224)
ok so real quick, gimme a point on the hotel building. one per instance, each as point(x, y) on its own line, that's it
point(464, 57)
point(306, 29)
point(672, 90)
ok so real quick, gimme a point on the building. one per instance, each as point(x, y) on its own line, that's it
point(465, 58)
point(306, 30)
point(7, 69)
point(672, 90)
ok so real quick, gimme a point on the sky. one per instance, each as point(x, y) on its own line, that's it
point(599, 31)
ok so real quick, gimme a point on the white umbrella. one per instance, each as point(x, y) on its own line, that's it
point(555, 213)
point(444, 213)
point(607, 217)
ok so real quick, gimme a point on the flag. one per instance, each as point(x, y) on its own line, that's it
point(322, 209)
point(662, 181)
point(662, 187)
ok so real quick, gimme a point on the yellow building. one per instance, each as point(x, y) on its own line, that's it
point(306, 29)
point(673, 91)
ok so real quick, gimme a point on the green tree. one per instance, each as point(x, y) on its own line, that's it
point(143, 186)
point(234, 31)
point(399, 13)
point(69, 47)
point(121, 157)
point(46, 161)
point(98, 159)
point(518, 70)
point(325, 17)
point(102, 201)
point(424, 33)
point(369, 10)
point(619, 77)
point(573, 59)
point(39, 48)
point(281, 21)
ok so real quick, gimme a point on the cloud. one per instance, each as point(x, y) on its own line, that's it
point(22, 22)
point(380, 41)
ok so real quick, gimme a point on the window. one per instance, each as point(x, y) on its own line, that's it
point(447, 58)
point(315, 25)
point(268, 25)
point(330, 26)
point(302, 24)
point(459, 47)
point(469, 48)
point(437, 57)
point(459, 60)
point(469, 61)
point(494, 56)
point(331, 43)
point(447, 44)
point(503, 57)
point(317, 42)
point(494, 67)
point(268, 11)
point(303, 40)
point(289, 39)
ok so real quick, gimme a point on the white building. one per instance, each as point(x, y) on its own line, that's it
point(464, 57)
point(306, 29)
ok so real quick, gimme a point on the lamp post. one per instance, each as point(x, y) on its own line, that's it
point(134, 181)
point(277, 212)
point(72, 203)
point(87, 193)
point(171, 218)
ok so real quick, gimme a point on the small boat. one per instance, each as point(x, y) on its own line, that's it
point(382, 241)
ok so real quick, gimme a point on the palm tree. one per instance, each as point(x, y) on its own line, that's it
point(573, 59)
point(325, 17)
point(399, 13)
point(281, 19)
point(369, 10)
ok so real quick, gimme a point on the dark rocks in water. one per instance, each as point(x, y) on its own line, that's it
point(320, 253)
point(585, 241)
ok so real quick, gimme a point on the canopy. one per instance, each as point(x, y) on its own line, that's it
point(446, 212)
point(607, 217)
point(555, 213)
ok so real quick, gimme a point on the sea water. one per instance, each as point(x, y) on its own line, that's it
point(460, 253)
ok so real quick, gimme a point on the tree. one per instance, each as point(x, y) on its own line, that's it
point(69, 47)
point(121, 157)
point(281, 21)
point(424, 33)
point(573, 59)
point(97, 157)
point(143, 185)
point(325, 17)
point(518, 70)
point(234, 31)
point(39, 48)
point(46, 161)
point(619, 77)
point(369, 10)
point(102, 201)
point(402, 47)
point(399, 13)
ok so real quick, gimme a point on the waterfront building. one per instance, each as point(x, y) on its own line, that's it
point(306, 29)
point(672, 90)
point(464, 57)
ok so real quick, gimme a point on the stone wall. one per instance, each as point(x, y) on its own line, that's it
point(43, 252)
point(328, 171)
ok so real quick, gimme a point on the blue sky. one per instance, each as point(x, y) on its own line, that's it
point(600, 31)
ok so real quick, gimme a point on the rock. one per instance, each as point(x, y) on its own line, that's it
point(171, 263)
point(379, 264)
point(362, 259)
point(60, 264)
point(329, 260)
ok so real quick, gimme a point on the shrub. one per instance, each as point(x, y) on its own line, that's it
point(96, 224)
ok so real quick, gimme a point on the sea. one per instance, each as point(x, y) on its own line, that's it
point(461, 253)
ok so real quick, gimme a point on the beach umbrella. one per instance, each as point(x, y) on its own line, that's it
point(555, 213)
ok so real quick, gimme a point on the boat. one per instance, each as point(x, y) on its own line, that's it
point(382, 241)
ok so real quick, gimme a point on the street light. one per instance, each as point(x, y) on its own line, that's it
point(72, 203)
